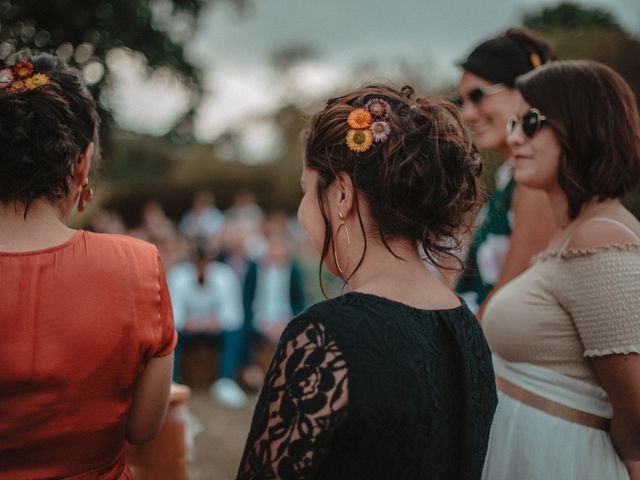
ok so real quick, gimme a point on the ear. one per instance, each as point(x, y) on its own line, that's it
point(83, 165)
point(344, 194)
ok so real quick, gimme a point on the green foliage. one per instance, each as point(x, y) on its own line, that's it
point(101, 25)
point(570, 16)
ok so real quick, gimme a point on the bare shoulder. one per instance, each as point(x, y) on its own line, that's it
point(599, 232)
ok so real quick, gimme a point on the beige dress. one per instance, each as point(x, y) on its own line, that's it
point(543, 327)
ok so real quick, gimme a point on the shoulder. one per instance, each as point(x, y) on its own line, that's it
point(597, 234)
point(132, 249)
point(323, 316)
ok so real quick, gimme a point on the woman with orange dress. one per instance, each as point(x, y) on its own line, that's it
point(86, 330)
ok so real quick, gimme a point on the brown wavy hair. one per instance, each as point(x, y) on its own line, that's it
point(420, 184)
point(43, 132)
point(594, 115)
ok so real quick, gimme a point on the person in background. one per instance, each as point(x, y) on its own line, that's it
point(273, 293)
point(566, 333)
point(86, 331)
point(207, 303)
point(516, 222)
point(204, 220)
point(392, 380)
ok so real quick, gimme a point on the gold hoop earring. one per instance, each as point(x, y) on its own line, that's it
point(335, 253)
point(86, 195)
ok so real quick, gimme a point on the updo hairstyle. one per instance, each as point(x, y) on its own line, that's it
point(43, 133)
point(420, 184)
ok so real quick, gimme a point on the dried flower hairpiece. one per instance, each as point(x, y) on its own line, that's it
point(21, 78)
point(368, 125)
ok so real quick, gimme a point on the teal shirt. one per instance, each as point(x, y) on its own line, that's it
point(488, 251)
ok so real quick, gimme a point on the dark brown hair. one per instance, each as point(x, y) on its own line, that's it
point(420, 184)
point(43, 132)
point(503, 58)
point(594, 116)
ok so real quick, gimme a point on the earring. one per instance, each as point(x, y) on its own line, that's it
point(335, 254)
point(86, 195)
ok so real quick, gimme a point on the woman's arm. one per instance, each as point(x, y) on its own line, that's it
point(620, 377)
point(533, 227)
point(150, 400)
point(302, 403)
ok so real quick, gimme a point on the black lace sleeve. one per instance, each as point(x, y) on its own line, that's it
point(303, 401)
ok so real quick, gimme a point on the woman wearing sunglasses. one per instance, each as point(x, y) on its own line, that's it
point(516, 222)
point(566, 333)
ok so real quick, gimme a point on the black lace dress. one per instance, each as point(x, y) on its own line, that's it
point(362, 387)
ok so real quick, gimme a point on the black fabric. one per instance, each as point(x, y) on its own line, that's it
point(362, 387)
point(499, 60)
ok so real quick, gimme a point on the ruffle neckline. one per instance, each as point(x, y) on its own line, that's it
point(585, 252)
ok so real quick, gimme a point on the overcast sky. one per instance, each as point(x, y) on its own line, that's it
point(236, 50)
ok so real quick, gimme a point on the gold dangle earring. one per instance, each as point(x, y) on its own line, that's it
point(86, 195)
point(335, 254)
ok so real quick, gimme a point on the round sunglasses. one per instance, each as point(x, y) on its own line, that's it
point(531, 122)
point(476, 95)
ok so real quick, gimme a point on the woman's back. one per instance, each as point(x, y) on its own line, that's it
point(420, 394)
point(78, 324)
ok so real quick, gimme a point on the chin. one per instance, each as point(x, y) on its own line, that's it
point(489, 141)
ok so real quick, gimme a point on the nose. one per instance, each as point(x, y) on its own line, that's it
point(516, 137)
point(469, 112)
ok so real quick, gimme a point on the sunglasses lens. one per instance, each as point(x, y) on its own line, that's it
point(511, 125)
point(476, 95)
point(458, 101)
point(530, 123)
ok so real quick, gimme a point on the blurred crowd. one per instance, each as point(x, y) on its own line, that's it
point(236, 278)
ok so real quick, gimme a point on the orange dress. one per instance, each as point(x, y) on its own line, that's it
point(78, 323)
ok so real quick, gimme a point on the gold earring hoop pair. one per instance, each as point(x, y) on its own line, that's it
point(86, 195)
point(335, 253)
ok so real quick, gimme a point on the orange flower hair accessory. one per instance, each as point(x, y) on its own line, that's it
point(21, 78)
point(359, 118)
point(368, 125)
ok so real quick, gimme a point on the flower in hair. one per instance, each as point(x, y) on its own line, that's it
point(378, 108)
point(18, 86)
point(380, 130)
point(36, 80)
point(535, 60)
point(359, 118)
point(6, 77)
point(23, 69)
point(359, 140)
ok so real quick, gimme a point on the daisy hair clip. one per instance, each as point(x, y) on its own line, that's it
point(368, 125)
point(21, 77)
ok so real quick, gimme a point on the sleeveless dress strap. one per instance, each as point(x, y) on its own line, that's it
point(624, 226)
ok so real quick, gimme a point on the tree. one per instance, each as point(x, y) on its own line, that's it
point(592, 33)
point(570, 16)
point(84, 31)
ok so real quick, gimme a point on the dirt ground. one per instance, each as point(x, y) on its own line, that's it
point(219, 446)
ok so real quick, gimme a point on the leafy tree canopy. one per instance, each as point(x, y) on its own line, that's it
point(570, 16)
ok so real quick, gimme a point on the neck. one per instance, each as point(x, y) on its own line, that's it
point(594, 207)
point(43, 226)
point(560, 207)
point(379, 263)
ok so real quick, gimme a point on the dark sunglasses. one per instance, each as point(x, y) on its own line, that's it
point(476, 95)
point(531, 122)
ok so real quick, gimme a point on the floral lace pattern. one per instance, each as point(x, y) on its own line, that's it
point(366, 387)
point(303, 400)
